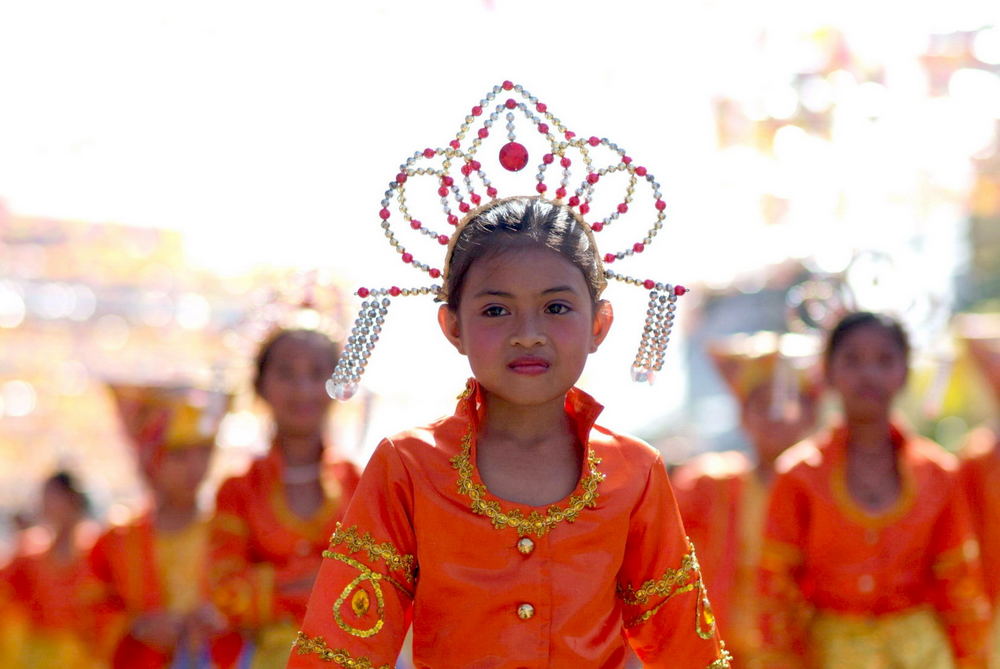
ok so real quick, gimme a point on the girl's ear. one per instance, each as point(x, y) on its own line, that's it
point(448, 320)
point(604, 316)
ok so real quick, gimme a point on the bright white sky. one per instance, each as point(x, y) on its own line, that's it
point(267, 131)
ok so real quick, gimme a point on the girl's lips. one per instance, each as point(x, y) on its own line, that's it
point(529, 365)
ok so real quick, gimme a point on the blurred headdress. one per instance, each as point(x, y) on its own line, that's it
point(159, 418)
point(788, 363)
point(980, 333)
point(304, 301)
point(570, 170)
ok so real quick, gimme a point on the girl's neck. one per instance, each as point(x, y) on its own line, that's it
point(299, 449)
point(528, 425)
point(869, 435)
point(174, 517)
point(64, 542)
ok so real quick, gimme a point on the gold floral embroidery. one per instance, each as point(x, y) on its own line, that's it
point(386, 552)
point(685, 578)
point(365, 575)
point(304, 645)
point(535, 522)
point(723, 662)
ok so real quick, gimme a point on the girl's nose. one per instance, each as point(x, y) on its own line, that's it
point(528, 334)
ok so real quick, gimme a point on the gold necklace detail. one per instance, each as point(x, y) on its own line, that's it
point(534, 523)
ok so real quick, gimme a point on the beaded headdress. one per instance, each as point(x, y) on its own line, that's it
point(568, 173)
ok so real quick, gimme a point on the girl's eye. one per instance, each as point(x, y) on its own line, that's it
point(494, 310)
point(558, 308)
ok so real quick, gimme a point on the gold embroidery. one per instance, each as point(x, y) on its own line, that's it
point(723, 662)
point(685, 578)
point(304, 644)
point(534, 523)
point(385, 551)
point(365, 575)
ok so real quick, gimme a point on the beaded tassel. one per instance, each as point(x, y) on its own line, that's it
point(655, 335)
point(343, 383)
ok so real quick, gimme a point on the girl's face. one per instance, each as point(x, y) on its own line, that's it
point(293, 383)
point(60, 507)
point(771, 432)
point(527, 323)
point(179, 473)
point(867, 370)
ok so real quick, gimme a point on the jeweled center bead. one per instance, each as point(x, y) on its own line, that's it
point(513, 156)
point(525, 611)
point(525, 545)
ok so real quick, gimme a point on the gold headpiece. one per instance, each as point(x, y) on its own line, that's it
point(789, 362)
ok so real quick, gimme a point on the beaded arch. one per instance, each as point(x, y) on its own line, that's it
point(568, 174)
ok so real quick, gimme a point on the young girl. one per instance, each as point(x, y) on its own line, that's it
point(272, 522)
point(869, 559)
point(516, 532)
point(45, 616)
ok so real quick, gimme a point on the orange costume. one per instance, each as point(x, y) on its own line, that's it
point(264, 557)
point(45, 613)
point(490, 583)
point(852, 588)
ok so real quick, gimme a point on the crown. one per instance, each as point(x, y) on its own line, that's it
point(571, 170)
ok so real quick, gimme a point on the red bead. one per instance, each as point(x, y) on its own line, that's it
point(597, 227)
point(622, 208)
point(541, 107)
point(569, 134)
point(641, 171)
point(464, 207)
point(484, 133)
point(466, 169)
point(574, 200)
point(626, 160)
point(401, 178)
point(593, 178)
point(649, 284)
point(447, 181)
point(511, 103)
point(394, 291)
point(491, 191)
point(548, 158)
point(455, 144)
point(638, 247)
point(475, 164)
point(429, 153)
point(443, 191)
point(477, 110)
point(513, 156)
point(363, 292)
point(565, 162)
point(541, 188)
point(594, 141)
point(543, 128)
point(442, 239)
point(452, 219)
point(609, 258)
point(434, 272)
point(476, 198)
point(383, 214)
point(560, 192)
point(585, 208)
point(680, 290)
point(507, 85)
point(415, 224)
point(407, 257)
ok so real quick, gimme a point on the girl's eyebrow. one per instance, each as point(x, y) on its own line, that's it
point(547, 291)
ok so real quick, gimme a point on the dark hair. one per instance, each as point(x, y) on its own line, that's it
point(267, 348)
point(857, 319)
point(66, 482)
point(520, 222)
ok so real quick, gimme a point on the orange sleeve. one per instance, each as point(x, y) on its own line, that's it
point(960, 598)
point(360, 607)
point(241, 589)
point(100, 594)
point(668, 619)
point(784, 611)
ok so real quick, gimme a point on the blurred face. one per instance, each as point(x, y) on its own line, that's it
point(60, 507)
point(867, 371)
point(180, 472)
point(774, 426)
point(293, 383)
point(527, 323)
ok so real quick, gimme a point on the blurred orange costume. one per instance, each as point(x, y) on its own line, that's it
point(264, 557)
point(137, 569)
point(721, 499)
point(45, 616)
point(857, 585)
point(489, 583)
point(981, 460)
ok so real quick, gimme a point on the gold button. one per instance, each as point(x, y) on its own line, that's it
point(525, 545)
point(525, 611)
